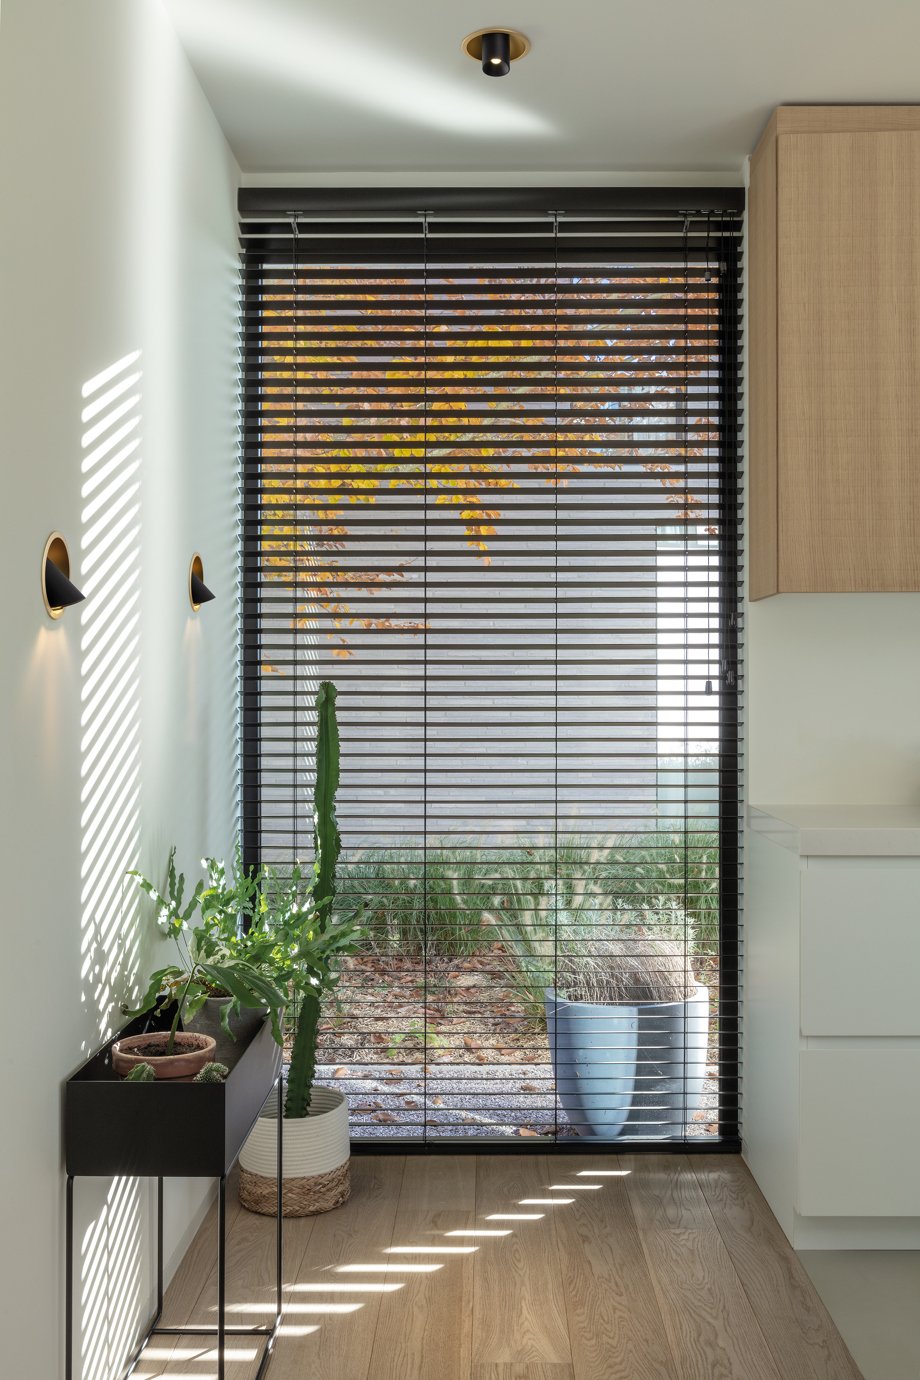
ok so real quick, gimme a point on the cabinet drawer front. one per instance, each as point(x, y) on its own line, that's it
point(860, 949)
point(859, 1127)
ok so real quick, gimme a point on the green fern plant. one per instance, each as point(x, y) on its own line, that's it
point(208, 963)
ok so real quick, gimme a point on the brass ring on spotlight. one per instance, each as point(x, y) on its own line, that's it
point(517, 42)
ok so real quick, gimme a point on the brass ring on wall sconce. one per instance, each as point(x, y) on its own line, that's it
point(58, 593)
point(198, 592)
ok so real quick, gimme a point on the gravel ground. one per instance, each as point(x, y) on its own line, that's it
point(501, 1100)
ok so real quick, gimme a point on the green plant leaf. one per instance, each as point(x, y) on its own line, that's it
point(160, 981)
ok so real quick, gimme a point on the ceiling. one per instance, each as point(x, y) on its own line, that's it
point(374, 89)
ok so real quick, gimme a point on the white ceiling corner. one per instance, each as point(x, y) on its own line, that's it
point(664, 90)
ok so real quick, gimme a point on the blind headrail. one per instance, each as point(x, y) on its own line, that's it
point(359, 202)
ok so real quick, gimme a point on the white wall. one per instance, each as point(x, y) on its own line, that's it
point(117, 253)
point(833, 699)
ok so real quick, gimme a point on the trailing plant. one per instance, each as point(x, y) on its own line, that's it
point(207, 963)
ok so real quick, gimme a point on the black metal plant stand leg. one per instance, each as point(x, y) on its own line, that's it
point(221, 1331)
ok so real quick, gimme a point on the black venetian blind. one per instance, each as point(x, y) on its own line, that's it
point(490, 490)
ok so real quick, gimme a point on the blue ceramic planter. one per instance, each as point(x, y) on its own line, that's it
point(632, 1072)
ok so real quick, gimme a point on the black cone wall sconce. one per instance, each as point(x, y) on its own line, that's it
point(198, 592)
point(496, 49)
point(57, 591)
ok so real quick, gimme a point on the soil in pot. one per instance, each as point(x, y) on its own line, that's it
point(191, 1051)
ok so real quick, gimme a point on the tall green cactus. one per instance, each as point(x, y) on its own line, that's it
point(327, 846)
point(303, 1058)
point(327, 843)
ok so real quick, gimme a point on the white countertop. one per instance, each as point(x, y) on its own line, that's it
point(841, 831)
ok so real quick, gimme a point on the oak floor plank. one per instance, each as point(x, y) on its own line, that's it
point(708, 1319)
point(185, 1289)
point(676, 1271)
point(524, 1370)
point(338, 1346)
point(519, 1310)
point(425, 1330)
point(189, 1280)
point(615, 1325)
point(794, 1321)
point(250, 1295)
point(669, 1196)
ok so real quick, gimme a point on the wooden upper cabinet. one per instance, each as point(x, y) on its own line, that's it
point(834, 245)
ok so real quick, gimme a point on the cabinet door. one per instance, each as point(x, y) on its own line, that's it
point(848, 361)
point(859, 1128)
point(860, 948)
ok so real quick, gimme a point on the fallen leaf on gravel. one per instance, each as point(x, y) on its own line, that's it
point(526, 1131)
point(529, 1087)
point(341, 1073)
point(410, 1102)
point(367, 1107)
point(481, 1057)
point(384, 1116)
point(437, 1102)
point(470, 1042)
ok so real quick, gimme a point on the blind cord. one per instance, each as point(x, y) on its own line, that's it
point(425, 897)
point(298, 689)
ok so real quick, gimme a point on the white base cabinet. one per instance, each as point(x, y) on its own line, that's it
point(831, 1091)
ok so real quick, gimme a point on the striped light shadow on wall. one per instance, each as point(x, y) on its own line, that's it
point(113, 1284)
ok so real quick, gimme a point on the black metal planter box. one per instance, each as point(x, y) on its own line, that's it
point(173, 1127)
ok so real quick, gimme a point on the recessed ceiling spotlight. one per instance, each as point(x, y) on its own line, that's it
point(496, 49)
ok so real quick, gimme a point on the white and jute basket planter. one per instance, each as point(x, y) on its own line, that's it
point(316, 1159)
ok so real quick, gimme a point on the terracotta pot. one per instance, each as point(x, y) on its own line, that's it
point(191, 1052)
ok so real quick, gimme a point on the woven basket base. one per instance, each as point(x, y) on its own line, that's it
point(299, 1197)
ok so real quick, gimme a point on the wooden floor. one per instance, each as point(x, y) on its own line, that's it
point(673, 1269)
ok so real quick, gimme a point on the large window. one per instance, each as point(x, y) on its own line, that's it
point(491, 492)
